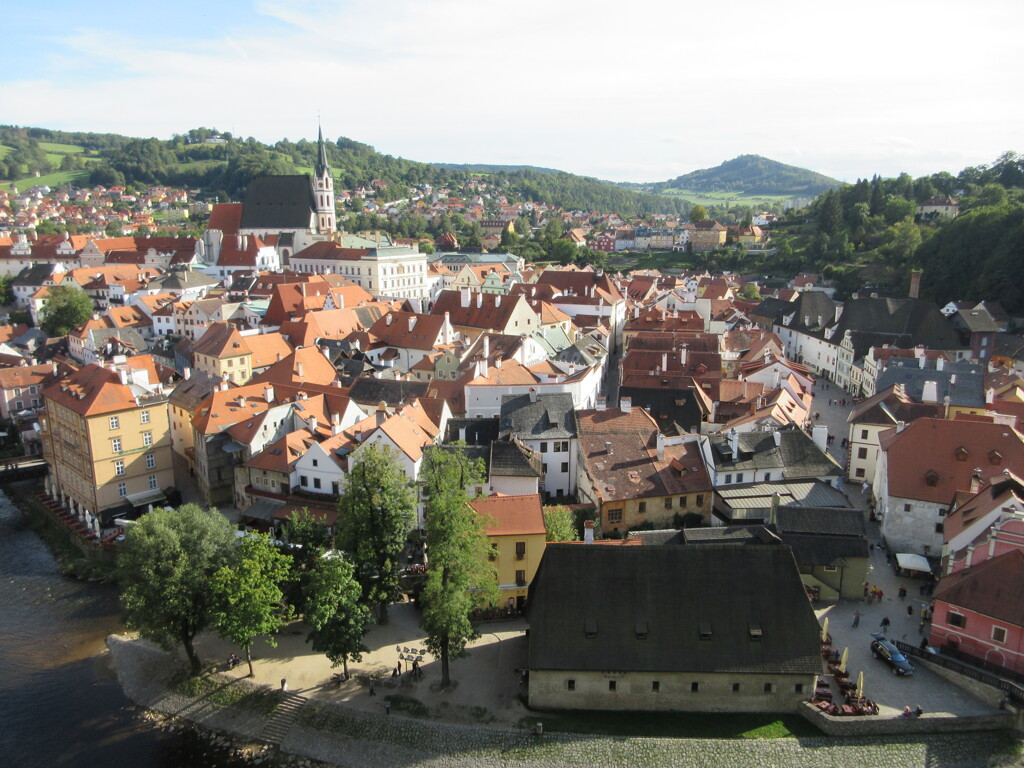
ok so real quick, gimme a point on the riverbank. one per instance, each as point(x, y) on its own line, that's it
point(340, 735)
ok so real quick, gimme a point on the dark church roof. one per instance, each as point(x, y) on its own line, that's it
point(279, 202)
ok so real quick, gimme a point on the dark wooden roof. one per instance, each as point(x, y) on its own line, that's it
point(279, 202)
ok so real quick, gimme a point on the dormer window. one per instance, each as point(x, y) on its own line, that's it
point(995, 458)
point(641, 630)
point(961, 454)
point(705, 629)
point(755, 631)
point(590, 629)
point(931, 477)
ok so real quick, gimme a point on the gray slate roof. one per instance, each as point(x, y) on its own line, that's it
point(278, 202)
point(510, 458)
point(820, 520)
point(810, 549)
point(962, 381)
point(673, 594)
point(796, 454)
point(548, 417)
point(371, 391)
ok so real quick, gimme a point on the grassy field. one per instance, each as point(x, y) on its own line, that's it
point(726, 198)
point(54, 180)
point(675, 725)
point(4, 151)
point(61, 149)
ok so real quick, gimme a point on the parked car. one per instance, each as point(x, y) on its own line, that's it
point(886, 651)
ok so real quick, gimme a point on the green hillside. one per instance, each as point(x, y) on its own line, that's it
point(748, 176)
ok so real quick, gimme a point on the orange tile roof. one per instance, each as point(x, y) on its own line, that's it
point(90, 391)
point(511, 515)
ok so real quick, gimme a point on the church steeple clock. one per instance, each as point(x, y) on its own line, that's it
point(323, 190)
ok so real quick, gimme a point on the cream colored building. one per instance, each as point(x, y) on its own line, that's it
point(106, 436)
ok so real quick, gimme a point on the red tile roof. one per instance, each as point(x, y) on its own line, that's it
point(511, 515)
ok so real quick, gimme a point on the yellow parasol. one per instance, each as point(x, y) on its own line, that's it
point(842, 663)
point(860, 684)
point(824, 630)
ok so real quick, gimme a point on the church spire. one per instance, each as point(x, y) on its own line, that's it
point(321, 154)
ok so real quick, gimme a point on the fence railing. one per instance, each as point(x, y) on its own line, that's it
point(971, 667)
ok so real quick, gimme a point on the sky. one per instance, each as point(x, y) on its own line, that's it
point(644, 90)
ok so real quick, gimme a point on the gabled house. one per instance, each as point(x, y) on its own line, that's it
point(871, 418)
point(515, 529)
point(546, 424)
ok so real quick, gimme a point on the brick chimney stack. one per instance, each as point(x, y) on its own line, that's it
point(915, 283)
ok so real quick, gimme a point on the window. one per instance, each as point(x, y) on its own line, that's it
point(316, 462)
point(906, 507)
point(152, 482)
point(147, 438)
point(520, 550)
point(700, 499)
point(144, 417)
point(668, 502)
point(150, 461)
point(570, 684)
point(642, 507)
point(565, 466)
point(863, 434)
point(655, 686)
point(115, 445)
point(999, 634)
point(614, 515)
point(938, 528)
point(739, 477)
point(735, 687)
point(543, 447)
point(303, 481)
point(115, 422)
point(122, 489)
point(859, 472)
point(316, 482)
point(694, 687)
point(798, 688)
point(831, 569)
point(611, 685)
point(118, 467)
point(544, 468)
point(956, 619)
point(862, 453)
point(767, 687)
point(728, 478)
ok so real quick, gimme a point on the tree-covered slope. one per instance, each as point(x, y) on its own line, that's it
point(752, 175)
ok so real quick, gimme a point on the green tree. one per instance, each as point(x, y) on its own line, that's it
point(6, 289)
point(334, 612)
point(560, 523)
point(356, 203)
point(308, 538)
point(751, 291)
point(460, 577)
point(898, 209)
point(377, 513)
point(904, 238)
point(247, 593)
point(66, 308)
point(698, 213)
point(167, 567)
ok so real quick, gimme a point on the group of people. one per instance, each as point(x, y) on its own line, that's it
point(908, 712)
point(414, 670)
point(872, 593)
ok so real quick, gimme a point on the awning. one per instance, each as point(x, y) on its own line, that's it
point(911, 562)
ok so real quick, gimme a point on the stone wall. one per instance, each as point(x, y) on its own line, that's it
point(877, 725)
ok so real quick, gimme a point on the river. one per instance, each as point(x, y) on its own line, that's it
point(60, 703)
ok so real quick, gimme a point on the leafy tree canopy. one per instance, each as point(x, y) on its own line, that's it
point(67, 307)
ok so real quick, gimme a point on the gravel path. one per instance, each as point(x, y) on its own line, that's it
point(352, 738)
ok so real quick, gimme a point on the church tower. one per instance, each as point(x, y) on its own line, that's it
point(323, 190)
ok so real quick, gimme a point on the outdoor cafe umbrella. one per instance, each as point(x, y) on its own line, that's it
point(860, 684)
point(824, 630)
point(846, 655)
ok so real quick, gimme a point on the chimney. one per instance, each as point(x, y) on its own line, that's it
point(326, 351)
point(922, 361)
point(312, 425)
point(464, 297)
point(661, 447)
point(588, 531)
point(55, 367)
point(915, 283)
point(990, 394)
point(734, 443)
point(778, 438)
point(299, 368)
point(412, 323)
point(382, 413)
point(664, 361)
point(602, 403)
point(479, 301)
point(388, 319)
point(819, 434)
point(224, 385)
point(976, 481)
point(900, 426)
point(268, 393)
point(446, 335)
point(335, 423)
point(123, 375)
point(533, 395)
point(940, 363)
point(626, 404)
point(487, 347)
point(497, 300)
point(930, 392)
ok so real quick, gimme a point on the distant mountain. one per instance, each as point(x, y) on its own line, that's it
point(750, 175)
point(492, 168)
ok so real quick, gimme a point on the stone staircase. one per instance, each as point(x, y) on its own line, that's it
point(284, 717)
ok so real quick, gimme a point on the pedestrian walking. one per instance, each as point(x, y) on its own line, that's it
point(856, 619)
point(902, 592)
point(910, 611)
point(864, 488)
point(416, 673)
point(885, 624)
point(399, 667)
point(920, 627)
point(284, 682)
point(880, 593)
point(387, 706)
point(866, 588)
point(373, 691)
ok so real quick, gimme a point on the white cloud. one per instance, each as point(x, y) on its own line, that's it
point(642, 91)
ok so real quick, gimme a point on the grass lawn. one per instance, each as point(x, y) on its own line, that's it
point(726, 198)
point(51, 180)
point(677, 725)
point(229, 692)
point(4, 151)
point(61, 149)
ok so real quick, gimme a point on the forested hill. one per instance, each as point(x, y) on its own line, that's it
point(750, 175)
point(224, 166)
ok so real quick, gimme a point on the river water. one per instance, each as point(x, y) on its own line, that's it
point(60, 703)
